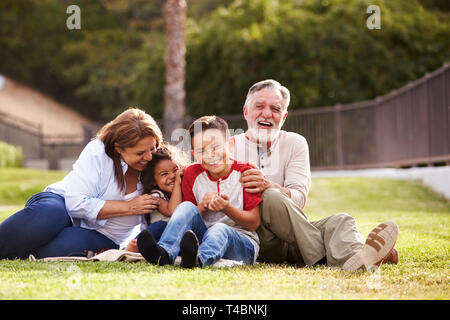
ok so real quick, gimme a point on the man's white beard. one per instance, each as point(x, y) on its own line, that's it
point(263, 135)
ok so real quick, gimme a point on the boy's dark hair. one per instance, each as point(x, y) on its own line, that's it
point(208, 122)
point(166, 152)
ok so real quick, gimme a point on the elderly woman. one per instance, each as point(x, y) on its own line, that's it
point(98, 204)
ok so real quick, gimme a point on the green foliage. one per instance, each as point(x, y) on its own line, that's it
point(10, 156)
point(321, 50)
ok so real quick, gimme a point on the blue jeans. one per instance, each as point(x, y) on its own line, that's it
point(43, 228)
point(157, 229)
point(216, 242)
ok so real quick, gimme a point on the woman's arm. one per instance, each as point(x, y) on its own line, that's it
point(141, 204)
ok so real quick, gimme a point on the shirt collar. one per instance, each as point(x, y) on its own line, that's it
point(260, 145)
point(124, 166)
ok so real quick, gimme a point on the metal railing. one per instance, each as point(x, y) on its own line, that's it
point(36, 145)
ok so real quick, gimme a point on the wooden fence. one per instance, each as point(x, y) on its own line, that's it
point(407, 127)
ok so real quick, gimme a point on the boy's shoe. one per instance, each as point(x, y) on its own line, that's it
point(188, 250)
point(150, 250)
point(377, 250)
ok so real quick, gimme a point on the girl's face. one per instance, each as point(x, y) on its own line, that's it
point(165, 172)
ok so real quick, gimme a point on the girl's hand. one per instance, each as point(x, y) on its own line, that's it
point(179, 176)
point(143, 204)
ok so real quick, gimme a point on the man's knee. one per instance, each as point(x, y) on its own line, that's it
point(342, 218)
point(272, 194)
point(275, 204)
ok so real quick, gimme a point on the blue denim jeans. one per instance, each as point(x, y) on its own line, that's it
point(216, 242)
point(157, 228)
point(43, 228)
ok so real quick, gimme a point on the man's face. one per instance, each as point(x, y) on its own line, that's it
point(265, 115)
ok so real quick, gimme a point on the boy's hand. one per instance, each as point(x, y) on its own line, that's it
point(203, 205)
point(219, 203)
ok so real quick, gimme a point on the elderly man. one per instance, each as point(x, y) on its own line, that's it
point(282, 173)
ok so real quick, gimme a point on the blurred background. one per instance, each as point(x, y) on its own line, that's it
point(362, 97)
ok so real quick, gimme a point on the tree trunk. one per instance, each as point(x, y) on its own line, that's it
point(174, 93)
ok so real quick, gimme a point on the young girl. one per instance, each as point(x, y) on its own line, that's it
point(162, 178)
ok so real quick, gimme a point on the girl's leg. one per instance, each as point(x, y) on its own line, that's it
point(157, 228)
point(42, 219)
point(223, 241)
point(74, 241)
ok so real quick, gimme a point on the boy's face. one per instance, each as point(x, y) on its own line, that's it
point(211, 149)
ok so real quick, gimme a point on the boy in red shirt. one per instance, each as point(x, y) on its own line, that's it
point(217, 218)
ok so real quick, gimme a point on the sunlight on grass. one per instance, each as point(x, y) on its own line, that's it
point(423, 271)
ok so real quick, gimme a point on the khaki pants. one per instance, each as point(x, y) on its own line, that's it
point(286, 235)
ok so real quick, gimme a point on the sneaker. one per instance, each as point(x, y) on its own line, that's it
point(188, 250)
point(377, 250)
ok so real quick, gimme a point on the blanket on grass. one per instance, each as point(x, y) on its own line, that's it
point(127, 256)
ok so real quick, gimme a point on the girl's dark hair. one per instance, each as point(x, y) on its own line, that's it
point(166, 152)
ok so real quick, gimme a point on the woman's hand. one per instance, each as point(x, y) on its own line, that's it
point(143, 204)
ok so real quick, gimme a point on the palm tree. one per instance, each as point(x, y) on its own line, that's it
point(174, 93)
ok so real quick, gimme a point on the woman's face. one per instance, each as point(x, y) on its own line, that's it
point(138, 156)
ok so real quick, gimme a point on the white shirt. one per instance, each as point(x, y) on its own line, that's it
point(286, 162)
point(89, 185)
point(120, 229)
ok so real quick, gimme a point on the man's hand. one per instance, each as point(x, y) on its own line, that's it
point(254, 181)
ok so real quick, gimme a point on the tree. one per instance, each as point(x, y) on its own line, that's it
point(175, 61)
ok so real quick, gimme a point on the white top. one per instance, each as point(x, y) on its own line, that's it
point(89, 185)
point(286, 162)
point(120, 229)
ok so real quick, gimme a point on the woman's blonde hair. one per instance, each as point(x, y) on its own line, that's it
point(125, 131)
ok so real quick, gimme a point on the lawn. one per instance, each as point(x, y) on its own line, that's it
point(423, 271)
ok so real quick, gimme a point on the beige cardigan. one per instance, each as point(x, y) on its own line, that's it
point(286, 162)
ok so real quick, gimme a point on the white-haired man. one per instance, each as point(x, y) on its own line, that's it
point(282, 173)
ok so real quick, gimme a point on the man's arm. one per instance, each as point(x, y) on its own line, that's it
point(297, 174)
point(254, 181)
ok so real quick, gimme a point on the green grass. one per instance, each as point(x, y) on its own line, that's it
point(423, 271)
